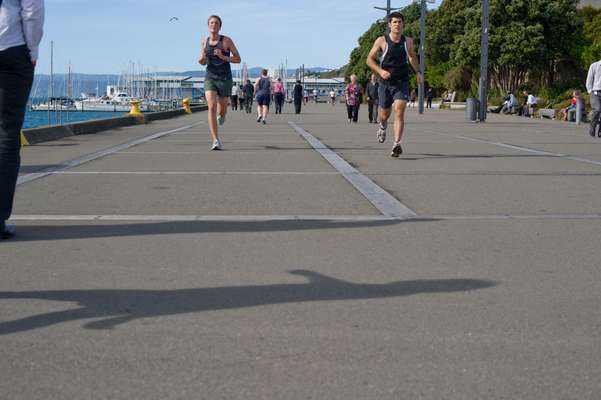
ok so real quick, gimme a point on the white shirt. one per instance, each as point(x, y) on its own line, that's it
point(593, 79)
point(235, 90)
point(531, 100)
point(21, 22)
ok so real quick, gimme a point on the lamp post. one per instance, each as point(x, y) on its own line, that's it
point(483, 89)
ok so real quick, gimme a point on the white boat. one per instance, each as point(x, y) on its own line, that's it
point(120, 102)
point(55, 104)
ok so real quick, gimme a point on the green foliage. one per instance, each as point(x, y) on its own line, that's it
point(541, 45)
point(590, 49)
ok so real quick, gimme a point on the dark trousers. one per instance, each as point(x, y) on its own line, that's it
point(234, 101)
point(297, 105)
point(372, 111)
point(248, 104)
point(353, 112)
point(279, 102)
point(429, 102)
point(16, 77)
point(596, 106)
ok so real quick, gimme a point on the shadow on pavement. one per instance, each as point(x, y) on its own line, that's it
point(94, 230)
point(116, 307)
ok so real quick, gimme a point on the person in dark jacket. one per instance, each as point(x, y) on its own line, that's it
point(298, 96)
point(371, 92)
point(21, 29)
point(249, 93)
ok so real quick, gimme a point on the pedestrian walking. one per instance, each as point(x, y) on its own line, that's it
point(241, 97)
point(249, 94)
point(297, 92)
point(279, 94)
point(352, 94)
point(396, 54)
point(21, 29)
point(593, 87)
point(332, 97)
point(217, 53)
point(263, 95)
point(234, 97)
point(371, 92)
point(429, 97)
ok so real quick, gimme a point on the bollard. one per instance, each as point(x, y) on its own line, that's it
point(471, 109)
point(579, 108)
point(24, 141)
point(186, 103)
point(135, 109)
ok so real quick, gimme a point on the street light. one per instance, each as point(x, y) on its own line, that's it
point(483, 89)
point(422, 53)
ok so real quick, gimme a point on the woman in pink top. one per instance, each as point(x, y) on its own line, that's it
point(279, 95)
point(351, 94)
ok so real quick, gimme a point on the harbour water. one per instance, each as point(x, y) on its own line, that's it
point(35, 119)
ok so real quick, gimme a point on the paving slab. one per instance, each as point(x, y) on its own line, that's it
point(260, 272)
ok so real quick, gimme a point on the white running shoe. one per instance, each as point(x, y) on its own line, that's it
point(216, 145)
point(381, 134)
point(259, 118)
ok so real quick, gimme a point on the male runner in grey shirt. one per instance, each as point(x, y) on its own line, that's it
point(21, 24)
point(593, 87)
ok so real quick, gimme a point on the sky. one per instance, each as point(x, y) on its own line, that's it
point(103, 36)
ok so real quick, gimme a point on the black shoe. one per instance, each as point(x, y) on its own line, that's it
point(7, 231)
point(397, 150)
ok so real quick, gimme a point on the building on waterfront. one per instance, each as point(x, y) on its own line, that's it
point(179, 87)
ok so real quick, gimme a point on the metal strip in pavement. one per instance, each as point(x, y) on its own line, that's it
point(192, 173)
point(388, 205)
point(98, 154)
point(207, 218)
point(522, 148)
point(242, 218)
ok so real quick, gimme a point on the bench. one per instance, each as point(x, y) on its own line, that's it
point(546, 112)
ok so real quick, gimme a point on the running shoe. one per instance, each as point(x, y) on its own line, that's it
point(259, 118)
point(397, 150)
point(216, 145)
point(264, 122)
point(381, 134)
point(221, 120)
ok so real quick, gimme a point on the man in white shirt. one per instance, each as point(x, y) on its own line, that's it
point(21, 23)
point(593, 87)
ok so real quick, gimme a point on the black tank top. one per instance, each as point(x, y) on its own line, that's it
point(395, 59)
point(216, 67)
point(263, 86)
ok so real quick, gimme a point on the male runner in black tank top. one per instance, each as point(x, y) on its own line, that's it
point(393, 69)
point(217, 53)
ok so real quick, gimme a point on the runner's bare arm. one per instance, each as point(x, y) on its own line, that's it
point(203, 52)
point(235, 55)
point(257, 84)
point(373, 54)
point(413, 59)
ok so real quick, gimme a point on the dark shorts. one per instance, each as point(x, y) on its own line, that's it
point(223, 88)
point(263, 99)
point(389, 93)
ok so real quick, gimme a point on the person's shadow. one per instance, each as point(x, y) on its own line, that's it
point(120, 306)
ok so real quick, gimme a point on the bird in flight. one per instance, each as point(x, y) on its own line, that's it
point(174, 19)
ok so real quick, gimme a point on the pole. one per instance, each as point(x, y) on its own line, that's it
point(483, 89)
point(51, 79)
point(422, 55)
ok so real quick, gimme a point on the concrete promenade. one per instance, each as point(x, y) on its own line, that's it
point(302, 262)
